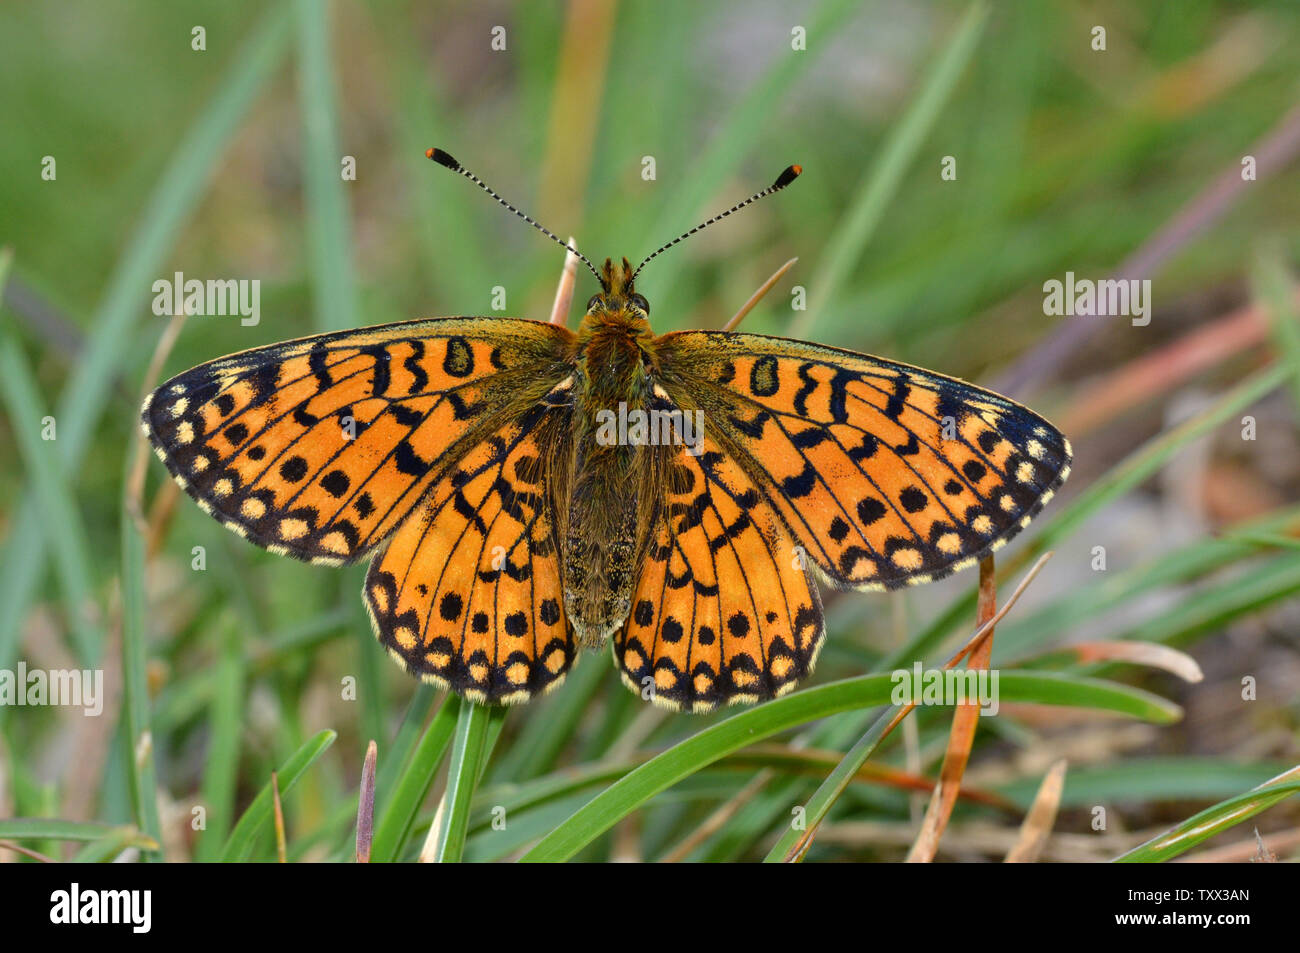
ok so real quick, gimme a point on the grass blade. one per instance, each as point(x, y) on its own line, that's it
point(412, 787)
point(220, 776)
point(878, 187)
point(117, 839)
point(469, 751)
point(52, 828)
point(112, 343)
point(705, 747)
point(1213, 820)
point(59, 513)
point(736, 137)
point(135, 684)
point(329, 234)
point(257, 819)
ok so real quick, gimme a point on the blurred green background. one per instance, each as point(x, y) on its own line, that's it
point(225, 163)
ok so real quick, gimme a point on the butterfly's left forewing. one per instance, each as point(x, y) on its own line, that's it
point(320, 448)
point(886, 474)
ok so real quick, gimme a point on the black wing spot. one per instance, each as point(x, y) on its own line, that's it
point(870, 509)
point(549, 612)
point(913, 499)
point(450, 606)
point(459, 360)
point(335, 483)
point(645, 613)
point(763, 378)
point(293, 469)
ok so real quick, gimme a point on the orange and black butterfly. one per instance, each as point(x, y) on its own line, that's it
point(523, 491)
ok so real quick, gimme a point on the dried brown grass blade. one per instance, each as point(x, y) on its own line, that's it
point(757, 296)
point(366, 805)
point(568, 281)
point(1038, 823)
point(965, 718)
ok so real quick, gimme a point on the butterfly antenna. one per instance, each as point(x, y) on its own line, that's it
point(446, 159)
point(785, 178)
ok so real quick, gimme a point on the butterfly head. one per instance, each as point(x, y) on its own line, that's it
point(617, 293)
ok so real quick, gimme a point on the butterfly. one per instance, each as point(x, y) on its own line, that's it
point(524, 491)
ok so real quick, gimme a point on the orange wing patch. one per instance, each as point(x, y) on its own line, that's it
point(467, 594)
point(319, 448)
point(724, 611)
point(887, 474)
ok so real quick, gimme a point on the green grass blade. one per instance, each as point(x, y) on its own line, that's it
point(112, 341)
point(846, 243)
point(220, 775)
point(256, 820)
point(746, 728)
point(469, 752)
point(1162, 778)
point(1213, 608)
point(329, 234)
point(135, 685)
point(107, 847)
point(830, 790)
point(1213, 820)
point(60, 515)
point(735, 138)
point(1040, 688)
point(392, 760)
point(52, 828)
point(1274, 289)
point(1111, 590)
point(543, 737)
point(412, 787)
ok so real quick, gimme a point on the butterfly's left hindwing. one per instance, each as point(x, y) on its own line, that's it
point(467, 593)
point(319, 448)
point(886, 474)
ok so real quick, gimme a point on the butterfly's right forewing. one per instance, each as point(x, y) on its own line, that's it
point(321, 447)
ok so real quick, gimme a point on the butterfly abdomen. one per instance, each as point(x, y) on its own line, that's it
point(606, 527)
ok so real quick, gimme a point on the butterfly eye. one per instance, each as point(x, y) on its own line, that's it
point(592, 302)
point(640, 302)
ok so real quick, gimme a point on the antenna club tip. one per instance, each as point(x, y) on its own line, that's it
point(789, 175)
point(442, 158)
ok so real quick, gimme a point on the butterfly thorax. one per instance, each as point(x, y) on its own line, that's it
point(608, 518)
